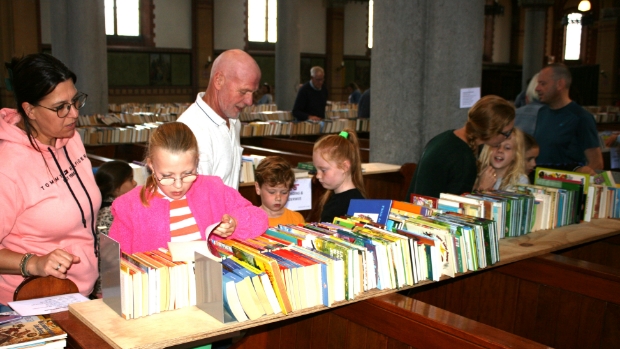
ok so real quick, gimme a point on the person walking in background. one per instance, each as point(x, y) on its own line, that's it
point(267, 97)
point(363, 107)
point(354, 93)
point(311, 97)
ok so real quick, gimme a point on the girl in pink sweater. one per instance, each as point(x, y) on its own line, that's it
point(177, 204)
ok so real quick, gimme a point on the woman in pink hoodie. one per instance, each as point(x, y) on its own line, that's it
point(47, 188)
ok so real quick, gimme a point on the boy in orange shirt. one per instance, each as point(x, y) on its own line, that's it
point(274, 181)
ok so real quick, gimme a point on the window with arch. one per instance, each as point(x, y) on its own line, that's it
point(129, 22)
point(572, 37)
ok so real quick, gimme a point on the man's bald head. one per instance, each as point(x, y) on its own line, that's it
point(235, 76)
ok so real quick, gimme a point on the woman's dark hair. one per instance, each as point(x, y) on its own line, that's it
point(111, 175)
point(32, 78)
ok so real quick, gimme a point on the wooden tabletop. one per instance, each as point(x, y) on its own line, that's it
point(191, 324)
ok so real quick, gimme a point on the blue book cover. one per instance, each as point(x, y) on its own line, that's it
point(377, 210)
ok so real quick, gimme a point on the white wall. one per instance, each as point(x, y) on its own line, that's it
point(228, 24)
point(312, 26)
point(46, 36)
point(173, 24)
point(501, 36)
point(355, 29)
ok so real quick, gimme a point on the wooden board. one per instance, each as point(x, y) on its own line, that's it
point(190, 324)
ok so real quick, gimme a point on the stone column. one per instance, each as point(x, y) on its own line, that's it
point(79, 41)
point(534, 38)
point(287, 54)
point(424, 53)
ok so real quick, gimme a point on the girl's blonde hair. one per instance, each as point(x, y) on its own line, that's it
point(338, 148)
point(173, 137)
point(516, 168)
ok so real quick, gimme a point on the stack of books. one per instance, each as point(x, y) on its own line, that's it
point(37, 331)
point(152, 283)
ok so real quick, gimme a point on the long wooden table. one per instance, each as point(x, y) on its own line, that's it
point(191, 324)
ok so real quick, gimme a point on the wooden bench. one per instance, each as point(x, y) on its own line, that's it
point(391, 321)
point(553, 299)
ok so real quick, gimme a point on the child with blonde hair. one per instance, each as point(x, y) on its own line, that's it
point(178, 204)
point(339, 170)
point(274, 181)
point(507, 160)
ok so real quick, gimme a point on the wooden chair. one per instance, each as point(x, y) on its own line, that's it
point(407, 171)
point(38, 287)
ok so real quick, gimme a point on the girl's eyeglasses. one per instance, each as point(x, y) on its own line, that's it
point(170, 180)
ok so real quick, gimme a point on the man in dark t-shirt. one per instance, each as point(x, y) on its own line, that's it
point(566, 133)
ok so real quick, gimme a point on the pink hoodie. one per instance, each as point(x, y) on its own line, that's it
point(38, 212)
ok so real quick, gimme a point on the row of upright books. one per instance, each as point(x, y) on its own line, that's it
point(285, 128)
point(155, 108)
point(604, 114)
point(124, 119)
point(294, 267)
point(96, 135)
point(379, 245)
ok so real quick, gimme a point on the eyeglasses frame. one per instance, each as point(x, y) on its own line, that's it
point(72, 104)
point(507, 134)
point(182, 179)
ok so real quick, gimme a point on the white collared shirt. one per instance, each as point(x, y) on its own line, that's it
point(219, 145)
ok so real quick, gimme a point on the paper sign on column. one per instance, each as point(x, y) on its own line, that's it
point(469, 96)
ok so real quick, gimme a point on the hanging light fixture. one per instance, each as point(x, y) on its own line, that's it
point(584, 6)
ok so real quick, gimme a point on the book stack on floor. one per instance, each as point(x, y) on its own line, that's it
point(36, 331)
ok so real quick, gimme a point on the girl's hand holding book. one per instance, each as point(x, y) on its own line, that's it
point(226, 227)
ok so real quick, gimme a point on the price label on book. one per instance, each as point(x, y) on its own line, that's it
point(300, 197)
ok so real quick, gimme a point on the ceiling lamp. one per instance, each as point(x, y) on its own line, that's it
point(584, 6)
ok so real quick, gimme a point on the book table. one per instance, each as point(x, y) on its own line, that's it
point(95, 321)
